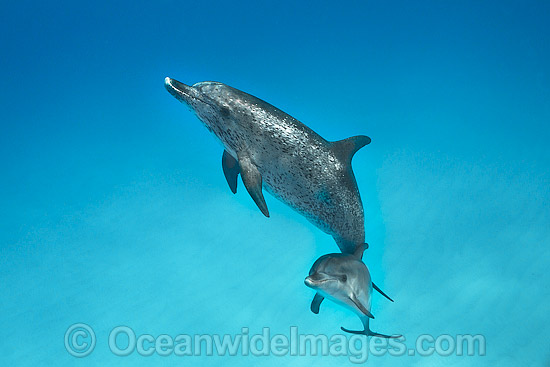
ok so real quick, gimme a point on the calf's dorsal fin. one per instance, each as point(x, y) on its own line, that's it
point(358, 253)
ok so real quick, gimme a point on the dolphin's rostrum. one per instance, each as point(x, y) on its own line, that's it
point(271, 149)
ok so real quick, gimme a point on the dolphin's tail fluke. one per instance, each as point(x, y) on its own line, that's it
point(367, 331)
point(350, 247)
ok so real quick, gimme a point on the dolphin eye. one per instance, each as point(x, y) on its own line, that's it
point(344, 278)
point(225, 111)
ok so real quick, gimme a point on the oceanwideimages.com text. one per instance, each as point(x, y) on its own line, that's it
point(80, 341)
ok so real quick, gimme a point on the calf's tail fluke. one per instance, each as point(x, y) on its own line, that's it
point(367, 331)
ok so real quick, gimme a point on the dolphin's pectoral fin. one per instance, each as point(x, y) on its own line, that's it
point(360, 306)
point(367, 331)
point(231, 170)
point(380, 291)
point(252, 180)
point(316, 303)
point(345, 149)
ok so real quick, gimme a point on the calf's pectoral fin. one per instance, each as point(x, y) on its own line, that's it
point(360, 306)
point(381, 292)
point(316, 303)
point(231, 170)
point(252, 180)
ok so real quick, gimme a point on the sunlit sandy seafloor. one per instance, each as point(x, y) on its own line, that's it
point(116, 211)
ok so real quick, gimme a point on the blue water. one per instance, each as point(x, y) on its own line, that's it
point(115, 210)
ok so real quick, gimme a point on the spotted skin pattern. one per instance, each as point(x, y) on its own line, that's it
point(297, 166)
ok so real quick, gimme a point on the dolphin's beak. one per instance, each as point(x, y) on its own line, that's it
point(314, 280)
point(182, 92)
point(309, 282)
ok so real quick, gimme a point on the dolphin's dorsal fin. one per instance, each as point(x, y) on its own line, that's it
point(316, 303)
point(345, 149)
point(360, 249)
point(231, 170)
point(252, 180)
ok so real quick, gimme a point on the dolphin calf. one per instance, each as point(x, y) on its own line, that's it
point(273, 150)
point(345, 279)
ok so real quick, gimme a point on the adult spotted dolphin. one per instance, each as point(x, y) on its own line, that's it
point(345, 279)
point(271, 149)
